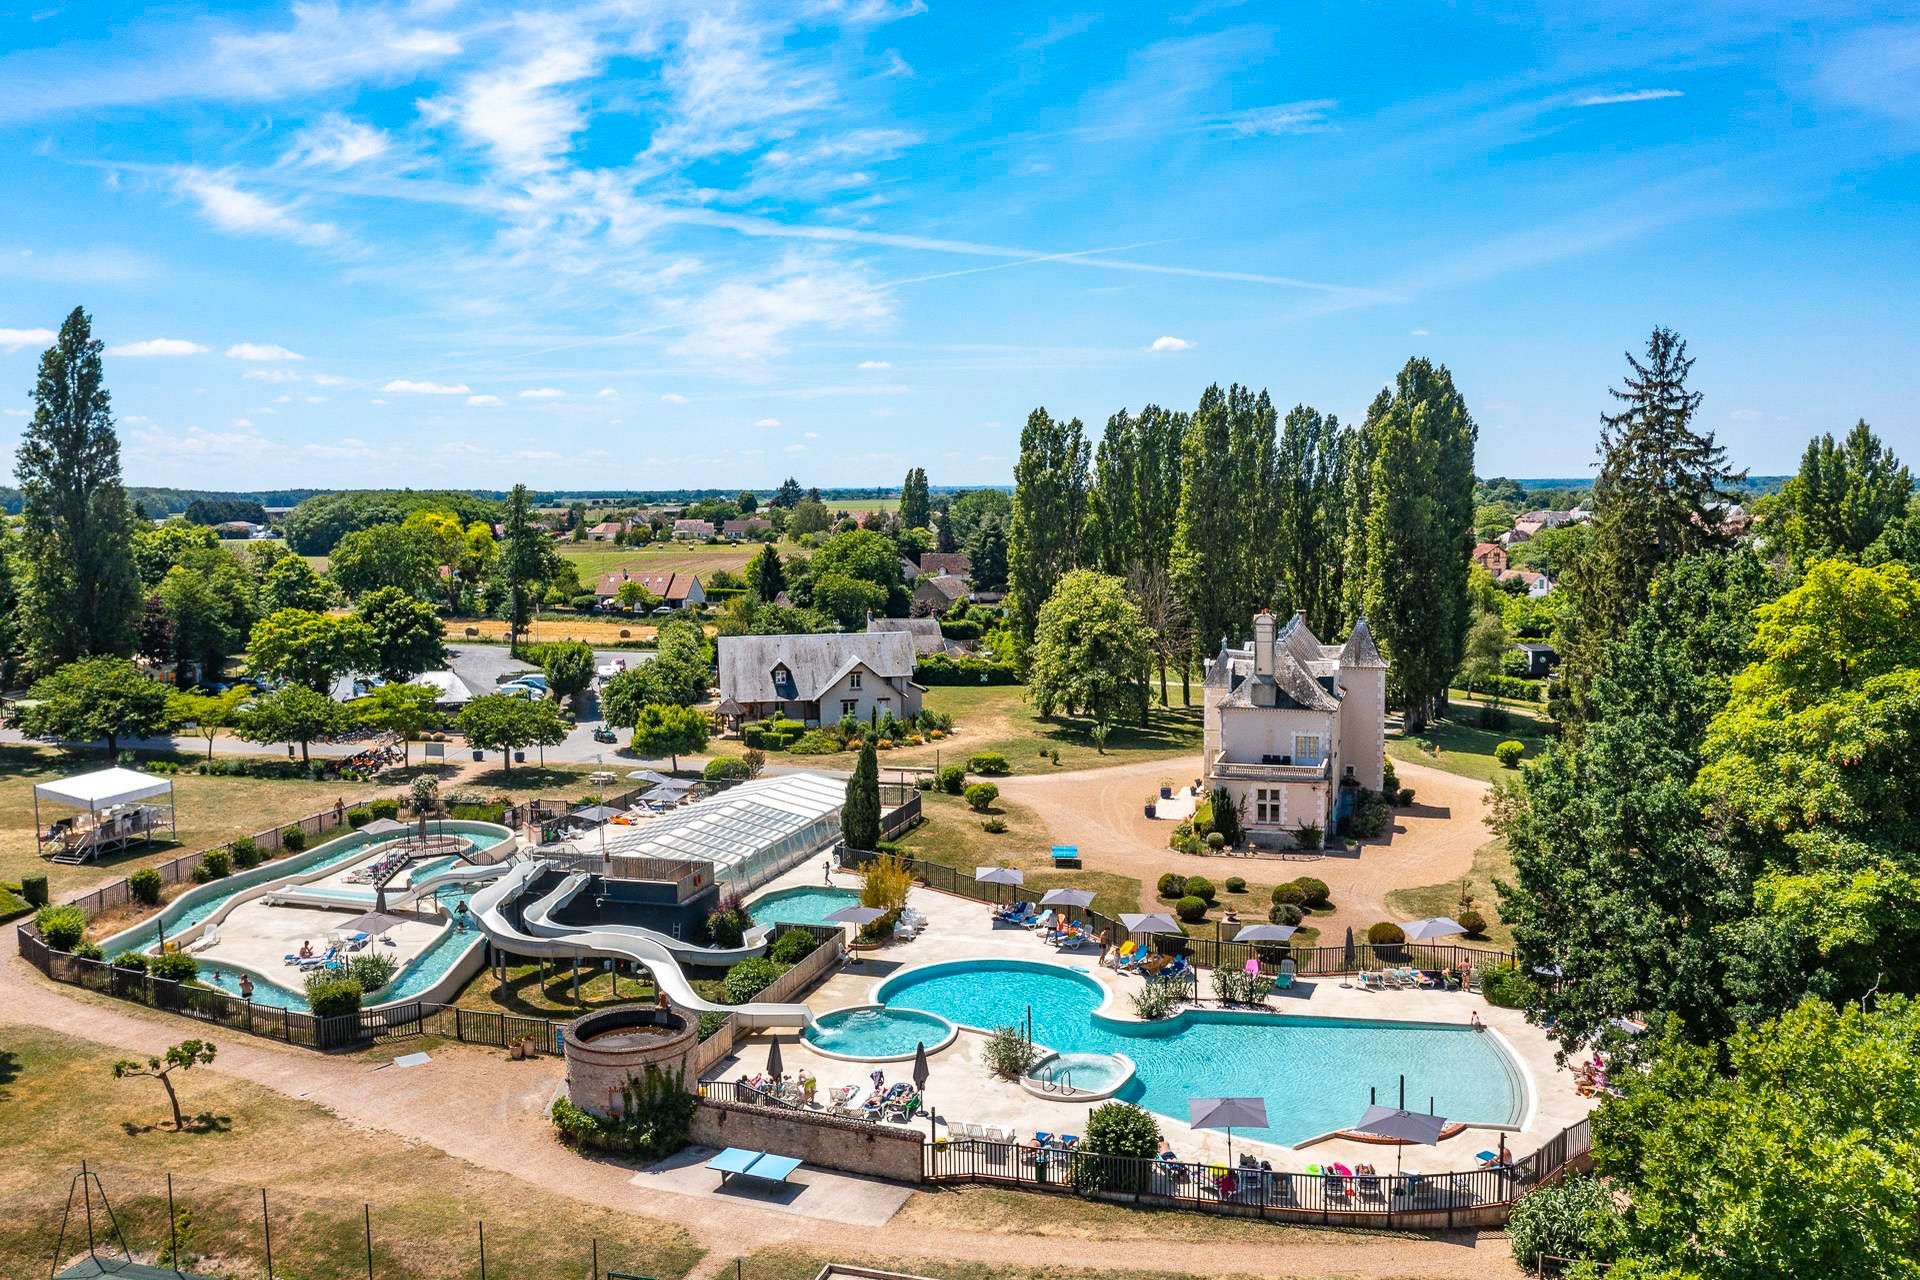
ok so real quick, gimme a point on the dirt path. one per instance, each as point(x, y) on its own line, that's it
point(1103, 812)
point(477, 1105)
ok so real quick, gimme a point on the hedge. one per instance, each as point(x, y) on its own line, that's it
point(938, 668)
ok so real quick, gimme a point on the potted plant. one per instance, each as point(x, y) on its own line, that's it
point(1166, 788)
point(1153, 807)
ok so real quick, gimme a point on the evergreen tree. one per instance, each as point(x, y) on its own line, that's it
point(787, 495)
point(860, 815)
point(916, 507)
point(1419, 533)
point(80, 596)
point(526, 563)
point(1309, 525)
point(988, 551)
point(1049, 508)
point(1359, 503)
point(1660, 495)
point(9, 616)
point(1845, 495)
point(766, 575)
point(1207, 530)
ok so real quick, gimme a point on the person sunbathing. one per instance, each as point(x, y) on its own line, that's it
point(306, 950)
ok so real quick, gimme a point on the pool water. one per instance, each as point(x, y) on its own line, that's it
point(877, 1033)
point(802, 906)
point(1316, 1074)
point(1092, 1072)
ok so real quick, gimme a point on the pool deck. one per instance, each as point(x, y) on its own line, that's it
point(256, 936)
point(962, 1089)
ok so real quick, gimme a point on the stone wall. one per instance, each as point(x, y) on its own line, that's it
point(600, 1060)
point(827, 1142)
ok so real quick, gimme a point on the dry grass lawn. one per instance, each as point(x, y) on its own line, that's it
point(1491, 861)
point(799, 1264)
point(952, 836)
point(62, 1104)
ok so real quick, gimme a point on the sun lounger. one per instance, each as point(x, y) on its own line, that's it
point(1284, 978)
point(1042, 922)
point(1152, 964)
point(760, 1165)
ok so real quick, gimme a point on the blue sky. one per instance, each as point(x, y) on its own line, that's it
point(637, 245)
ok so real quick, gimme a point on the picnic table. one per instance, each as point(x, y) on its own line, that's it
point(752, 1164)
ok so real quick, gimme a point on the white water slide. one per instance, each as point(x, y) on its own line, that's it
point(543, 936)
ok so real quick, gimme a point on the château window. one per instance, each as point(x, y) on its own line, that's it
point(1309, 748)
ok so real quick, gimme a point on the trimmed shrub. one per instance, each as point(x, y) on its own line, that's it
point(1236, 884)
point(332, 997)
point(89, 951)
point(792, 947)
point(1173, 885)
point(725, 769)
point(359, 816)
point(1286, 913)
point(1473, 922)
point(1505, 987)
point(174, 966)
point(1190, 909)
point(372, 970)
point(981, 795)
point(1386, 934)
point(293, 839)
point(34, 890)
point(132, 961)
point(991, 763)
point(247, 854)
point(953, 779)
point(1216, 841)
point(215, 864)
point(1202, 888)
point(388, 808)
point(1318, 895)
point(1289, 895)
point(1117, 1129)
point(1508, 753)
point(61, 927)
point(749, 978)
point(145, 886)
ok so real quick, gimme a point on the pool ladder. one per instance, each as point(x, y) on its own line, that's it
point(1062, 1083)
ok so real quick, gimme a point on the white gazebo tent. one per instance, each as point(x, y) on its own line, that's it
point(115, 818)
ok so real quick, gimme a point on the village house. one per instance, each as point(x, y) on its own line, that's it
point(935, 593)
point(606, 531)
point(925, 632)
point(674, 590)
point(1538, 584)
point(692, 530)
point(957, 563)
point(1492, 557)
point(1294, 728)
point(750, 527)
point(819, 679)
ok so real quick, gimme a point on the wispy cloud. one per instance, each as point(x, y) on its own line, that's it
point(1267, 122)
point(767, 422)
point(246, 213)
point(408, 386)
point(485, 402)
point(268, 351)
point(542, 393)
point(674, 397)
point(158, 347)
point(338, 143)
point(525, 115)
point(14, 339)
point(875, 364)
point(1630, 95)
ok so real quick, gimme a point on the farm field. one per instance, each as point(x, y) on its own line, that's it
point(596, 558)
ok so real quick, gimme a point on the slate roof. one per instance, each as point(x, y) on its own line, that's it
point(813, 663)
point(958, 563)
point(945, 583)
point(1360, 650)
point(925, 632)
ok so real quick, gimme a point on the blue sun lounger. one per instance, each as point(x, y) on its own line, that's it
point(752, 1164)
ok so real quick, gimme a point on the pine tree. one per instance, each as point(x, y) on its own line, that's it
point(81, 595)
point(988, 551)
point(1845, 495)
point(860, 814)
point(766, 575)
point(787, 495)
point(1419, 533)
point(1049, 508)
point(916, 503)
point(1659, 496)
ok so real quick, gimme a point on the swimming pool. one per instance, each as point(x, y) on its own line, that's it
point(810, 905)
point(875, 1035)
point(1316, 1074)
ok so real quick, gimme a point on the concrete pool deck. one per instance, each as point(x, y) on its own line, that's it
point(257, 936)
point(961, 1089)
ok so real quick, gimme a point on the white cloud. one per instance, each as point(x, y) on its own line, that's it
point(376, 402)
point(1416, 333)
point(874, 364)
point(745, 321)
point(271, 375)
point(244, 213)
point(410, 387)
point(1266, 122)
point(14, 339)
point(606, 393)
point(314, 399)
point(542, 393)
point(158, 347)
point(485, 402)
point(242, 423)
point(1632, 95)
point(1170, 343)
point(261, 351)
point(521, 114)
point(335, 142)
point(674, 397)
point(811, 435)
point(767, 422)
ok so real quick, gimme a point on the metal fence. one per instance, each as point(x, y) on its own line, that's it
point(1217, 953)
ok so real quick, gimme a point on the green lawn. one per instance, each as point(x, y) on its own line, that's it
point(528, 993)
point(1458, 744)
point(1491, 861)
point(61, 1102)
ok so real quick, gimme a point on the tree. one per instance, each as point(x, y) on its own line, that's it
point(1310, 518)
point(79, 596)
point(291, 583)
point(1660, 496)
point(383, 555)
point(1419, 533)
point(314, 649)
point(1049, 508)
point(667, 730)
point(505, 723)
point(860, 813)
point(916, 507)
point(1207, 530)
point(209, 713)
point(209, 600)
point(748, 502)
point(1787, 1151)
point(1131, 514)
point(404, 632)
point(766, 575)
point(863, 555)
point(1089, 651)
point(1842, 499)
point(634, 597)
point(809, 516)
point(788, 494)
point(292, 714)
point(159, 548)
point(94, 698)
point(988, 552)
point(9, 615)
point(568, 666)
point(678, 674)
point(405, 710)
point(526, 562)
point(848, 600)
point(180, 1057)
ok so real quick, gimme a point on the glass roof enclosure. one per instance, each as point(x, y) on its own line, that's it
point(749, 833)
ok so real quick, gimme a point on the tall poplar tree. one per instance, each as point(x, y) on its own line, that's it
point(1310, 518)
point(81, 594)
point(527, 562)
point(1049, 508)
point(1208, 530)
point(1251, 424)
point(1131, 512)
point(916, 502)
point(1660, 495)
point(1419, 533)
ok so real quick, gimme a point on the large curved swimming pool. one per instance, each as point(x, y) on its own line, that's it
point(1316, 1074)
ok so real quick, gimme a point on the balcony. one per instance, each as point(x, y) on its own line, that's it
point(1265, 771)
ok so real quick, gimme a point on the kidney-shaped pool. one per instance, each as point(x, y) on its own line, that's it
point(1315, 1073)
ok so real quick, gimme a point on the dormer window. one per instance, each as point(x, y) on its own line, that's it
point(781, 675)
